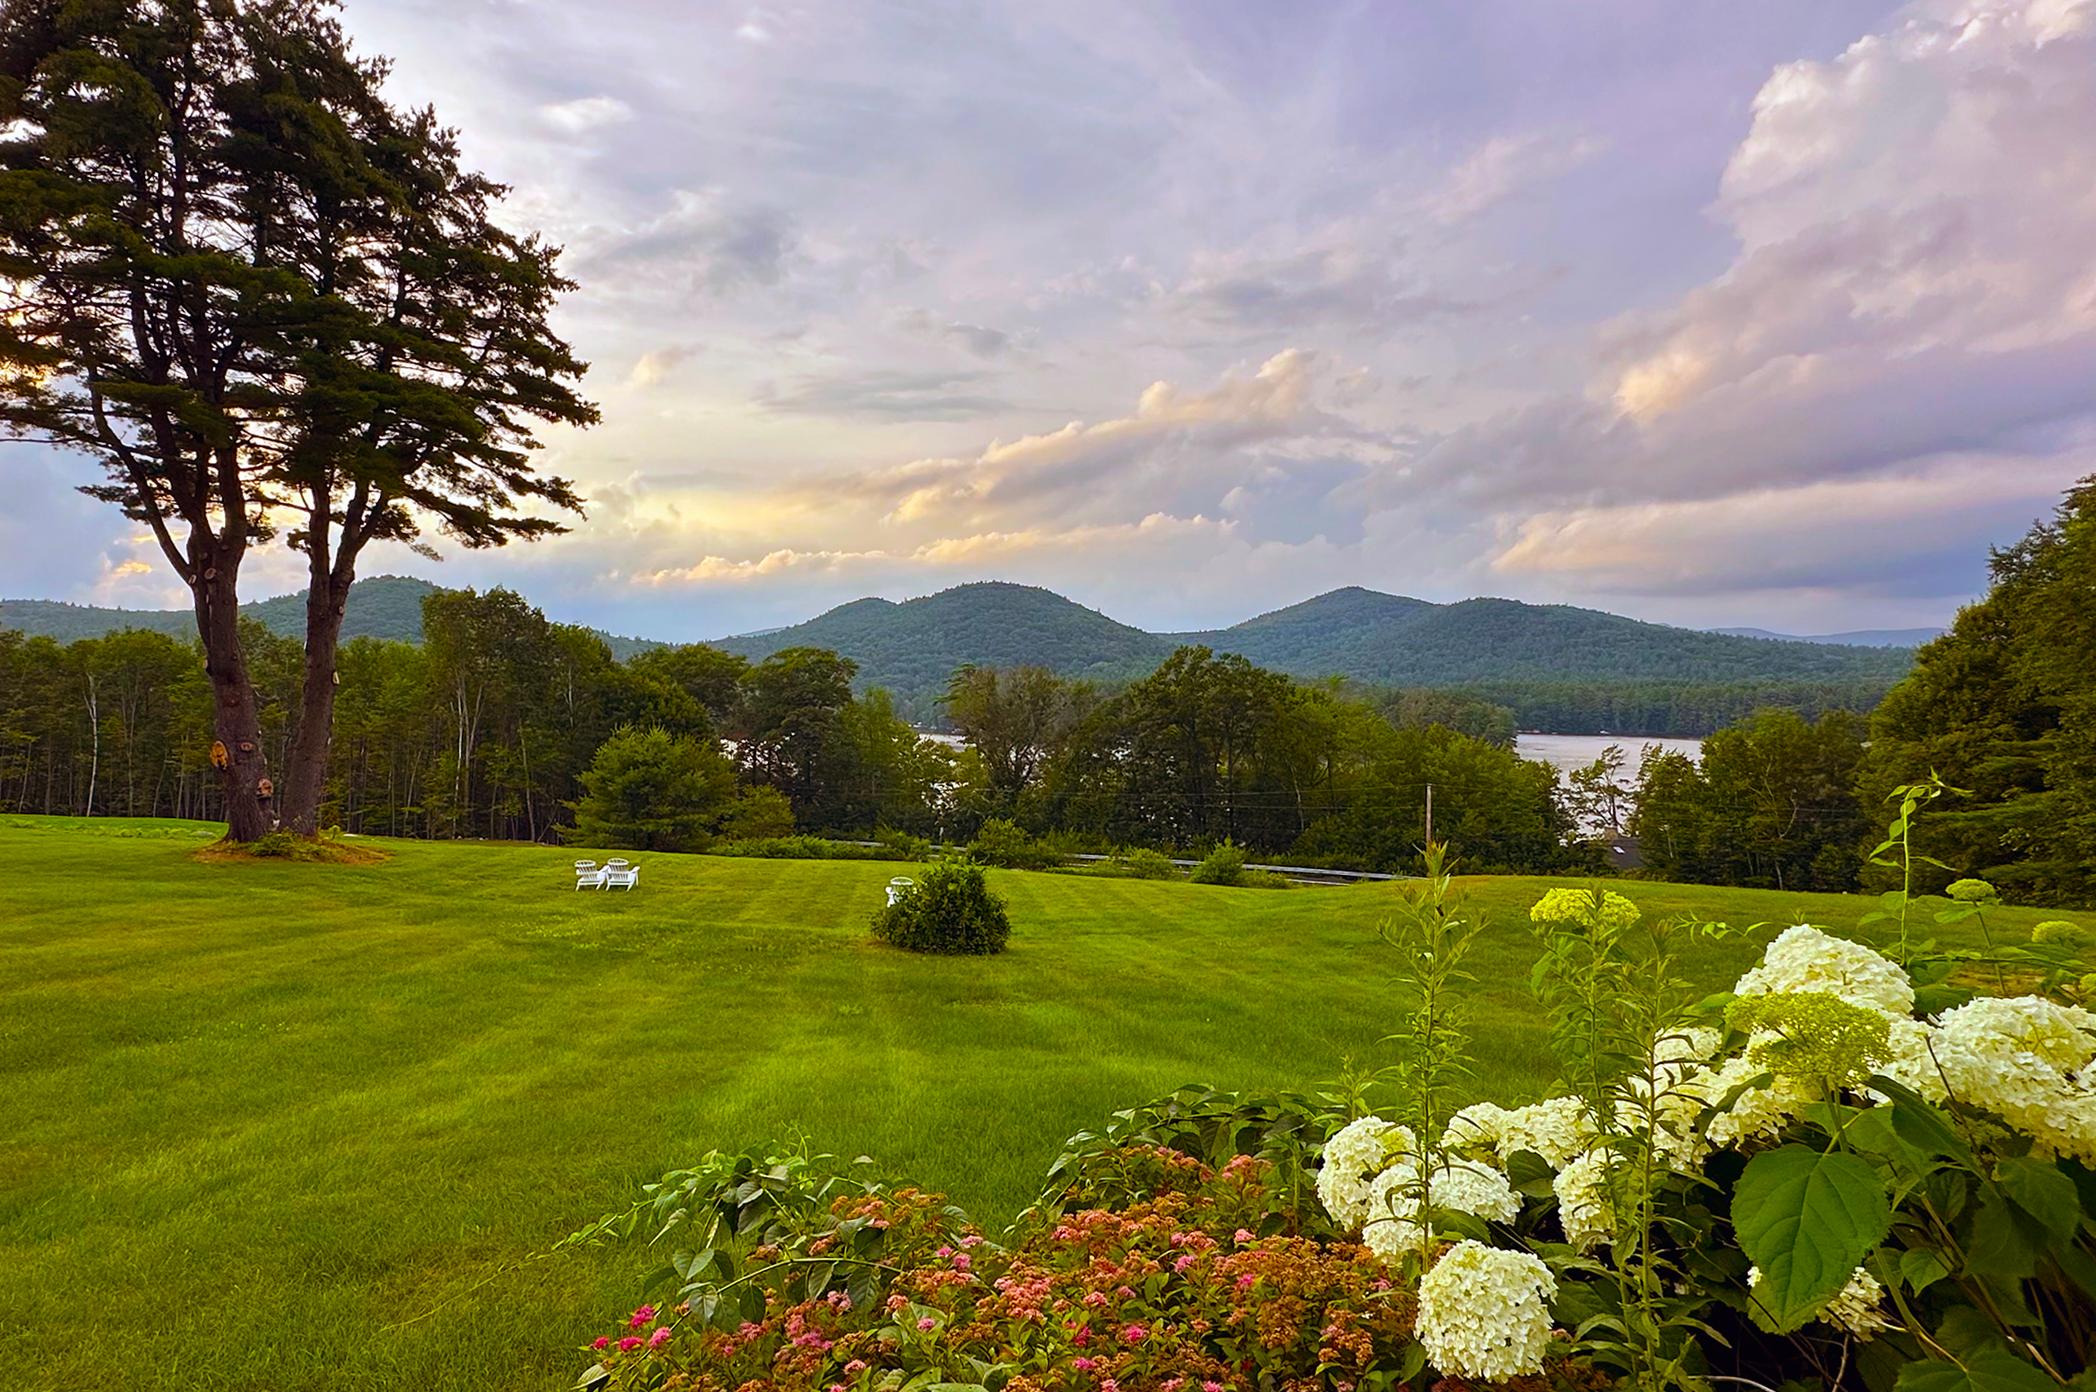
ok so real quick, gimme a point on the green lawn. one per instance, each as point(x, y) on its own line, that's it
point(290, 1126)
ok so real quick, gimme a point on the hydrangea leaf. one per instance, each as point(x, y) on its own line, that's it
point(2040, 1190)
point(1807, 1218)
point(1992, 1369)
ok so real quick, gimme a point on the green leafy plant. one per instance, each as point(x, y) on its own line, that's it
point(650, 790)
point(951, 910)
point(1141, 863)
point(1432, 932)
point(1223, 865)
point(1006, 845)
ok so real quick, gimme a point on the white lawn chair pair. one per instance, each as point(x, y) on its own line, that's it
point(612, 874)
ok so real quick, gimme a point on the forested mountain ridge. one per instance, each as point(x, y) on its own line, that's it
point(913, 647)
point(1556, 666)
point(384, 606)
point(1394, 641)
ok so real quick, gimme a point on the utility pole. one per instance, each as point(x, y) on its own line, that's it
point(1430, 814)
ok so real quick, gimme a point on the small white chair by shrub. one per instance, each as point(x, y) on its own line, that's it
point(899, 886)
point(588, 875)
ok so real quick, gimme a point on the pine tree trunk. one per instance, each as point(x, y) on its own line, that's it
point(306, 768)
point(236, 722)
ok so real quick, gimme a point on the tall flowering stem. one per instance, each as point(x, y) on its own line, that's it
point(1432, 932)
point(1619, 1014)
point(1913, 799)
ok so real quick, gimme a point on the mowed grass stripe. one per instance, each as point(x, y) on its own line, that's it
point(286, 1126)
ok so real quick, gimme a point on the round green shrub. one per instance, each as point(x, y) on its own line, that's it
point(1225, 865)
point(1006, 845)
point(950, 910)
point(1141, 863)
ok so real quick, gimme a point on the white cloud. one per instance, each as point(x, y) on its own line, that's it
point(1931, 193)
point(1501, 167)
point(586, 114)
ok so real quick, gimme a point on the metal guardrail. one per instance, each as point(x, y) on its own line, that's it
point(1307, 874)
point(1301, 874)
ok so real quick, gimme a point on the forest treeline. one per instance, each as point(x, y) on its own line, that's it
point(490, 727)
point(1998, 719)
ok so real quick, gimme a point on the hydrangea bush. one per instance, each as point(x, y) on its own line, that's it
point(1815, 1185)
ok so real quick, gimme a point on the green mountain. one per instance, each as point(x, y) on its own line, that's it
point(385, 606)
point(1393, 641)
point(1557, 666)
point(913, 647)
point(1618, 673)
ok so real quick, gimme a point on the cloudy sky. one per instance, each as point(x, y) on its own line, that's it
point(1774, 314)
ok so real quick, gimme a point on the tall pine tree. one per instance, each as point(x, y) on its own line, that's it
point(269, 304)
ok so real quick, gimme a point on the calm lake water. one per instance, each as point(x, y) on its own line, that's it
point(1562, 752)
point(1568, 752)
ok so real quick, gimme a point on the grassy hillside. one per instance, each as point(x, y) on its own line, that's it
point(300, 1127)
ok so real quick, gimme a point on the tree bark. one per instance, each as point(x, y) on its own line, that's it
point(306, 767)
point(235, 719)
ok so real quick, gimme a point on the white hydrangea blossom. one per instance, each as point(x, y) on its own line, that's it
point(1802, 958)
point(1585, 1208)
point(1758, 1112)
point(1476, 1129)
point(1354, 1156)
point(1459, 1186)
point(2026, 1059)
point(1680, 1059)
point(1857, 1308)
point(1484, 1312)
point(1558, 1129)
point(1913, 1060)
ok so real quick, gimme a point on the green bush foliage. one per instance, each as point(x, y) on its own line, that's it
point(951, 909)
point(903, 844)
point(1141, 863)
point(808, 848)
point(650, 790)
point(1006, 845)
point(757, 814)
point(1225, 865)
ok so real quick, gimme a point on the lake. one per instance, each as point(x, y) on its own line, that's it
point(1566, 753)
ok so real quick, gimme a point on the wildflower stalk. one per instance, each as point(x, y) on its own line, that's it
point(1432, 933)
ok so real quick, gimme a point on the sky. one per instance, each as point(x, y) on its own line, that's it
point(1778, 314)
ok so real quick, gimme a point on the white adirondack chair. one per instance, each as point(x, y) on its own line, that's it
point(619, 875)
point(588, 875)
point(899, 886)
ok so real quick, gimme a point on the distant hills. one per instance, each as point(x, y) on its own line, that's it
point(1855, 638)
point(1499, 647)
point(384, 606)
point(913, 646)
point(1558, 666)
